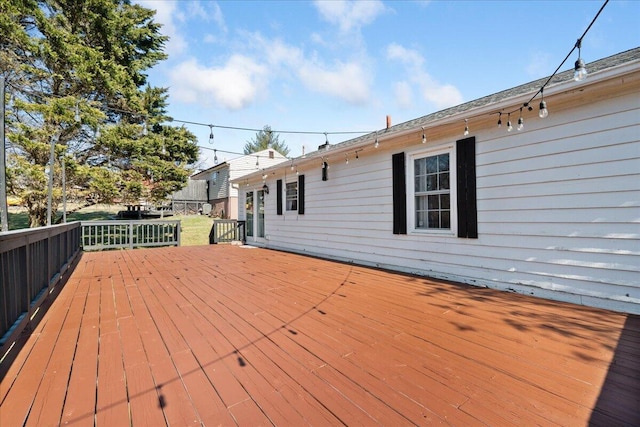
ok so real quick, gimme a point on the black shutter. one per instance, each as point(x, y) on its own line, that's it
point(399, 194)
point(301, 194)
point(279, 197)
point(466, 188)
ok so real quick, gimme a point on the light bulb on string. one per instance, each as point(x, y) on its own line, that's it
point(543, 106)
point(211, 134)
point(500, 119)
point(520, 121)
point(346, 159)
point(580, 71)
point(257, 162)
point(466, 127)
point(424, 137)
point(215, 156)
point(377, 142)
point(509, 126)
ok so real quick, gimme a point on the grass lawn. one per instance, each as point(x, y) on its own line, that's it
point(195, 228)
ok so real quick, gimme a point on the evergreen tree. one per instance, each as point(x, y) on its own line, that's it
point(75, 73)
point(264, 139)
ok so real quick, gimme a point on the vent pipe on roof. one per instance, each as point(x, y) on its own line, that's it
point(388, 121)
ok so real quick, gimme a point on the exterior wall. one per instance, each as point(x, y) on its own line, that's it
point(219, 186)
point(558, 209)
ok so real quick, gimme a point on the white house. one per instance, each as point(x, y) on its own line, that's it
point(222, 196)
point(551, 210)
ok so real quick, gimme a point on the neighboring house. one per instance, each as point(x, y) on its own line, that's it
point(552, 210)
point(222, 196)
point(191, 198)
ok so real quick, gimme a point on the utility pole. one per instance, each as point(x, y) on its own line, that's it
point(4, 215)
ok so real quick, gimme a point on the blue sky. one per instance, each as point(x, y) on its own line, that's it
point(338, 66)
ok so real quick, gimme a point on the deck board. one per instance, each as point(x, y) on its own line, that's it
point(222, 335)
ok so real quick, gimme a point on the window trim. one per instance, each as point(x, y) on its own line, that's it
point(449, 148)
point(286, 199)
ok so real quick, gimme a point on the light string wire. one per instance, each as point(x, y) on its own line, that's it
point(575, 46)
point(466, 120)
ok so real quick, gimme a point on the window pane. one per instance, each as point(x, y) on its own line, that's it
point(434, 202)
point(446, 219)
point(421, 220)
point(434, 219)
point(432, 164)
point(444, 181)
point(443, 162)
point(445, 201)
point(432, 183)
point(421, 203)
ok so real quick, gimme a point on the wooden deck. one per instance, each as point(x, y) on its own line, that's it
point(223, 335)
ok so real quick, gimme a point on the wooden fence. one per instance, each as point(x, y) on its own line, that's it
point(99, 235)
point(227, 231)
point(32, 264)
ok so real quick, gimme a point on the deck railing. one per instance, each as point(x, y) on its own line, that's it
point(227, 231)
point(32, 263)
point(99, 235)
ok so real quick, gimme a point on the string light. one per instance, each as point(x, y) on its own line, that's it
point(520, 121)
point(145, 132)
point(580, 72)
point(326, 141)
point(215, 157)
point(466, 127)
point(257, 162)
point(291, 164)
point(424, 137)
point(211, 134)
point(509, 127)
point(543, 113)
point(346, 158)
point(77, 114)
point(500, 119)
point(377, 143)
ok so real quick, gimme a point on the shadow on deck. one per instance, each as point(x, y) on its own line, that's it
point(224, 335)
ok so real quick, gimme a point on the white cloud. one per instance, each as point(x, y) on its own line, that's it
point(349, 15)
point(165, 14)
point(348, 81)
point(218, 17)
point(441, 95)
point(404, 55)
point(234, 85)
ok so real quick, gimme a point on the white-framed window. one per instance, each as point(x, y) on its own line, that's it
point(431, 193)
point(292, 196)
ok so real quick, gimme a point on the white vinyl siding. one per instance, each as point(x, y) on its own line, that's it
point(557, 206)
